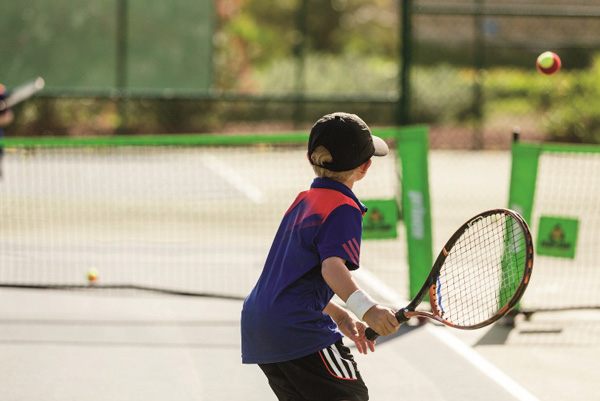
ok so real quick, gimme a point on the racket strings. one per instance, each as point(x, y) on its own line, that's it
point(482, 271)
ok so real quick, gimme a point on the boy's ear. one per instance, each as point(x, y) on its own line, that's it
point(365, 166)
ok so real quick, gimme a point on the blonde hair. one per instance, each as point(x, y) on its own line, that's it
point(321, 155)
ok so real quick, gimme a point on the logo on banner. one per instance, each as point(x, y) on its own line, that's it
point(557, 237)
point(381, 219)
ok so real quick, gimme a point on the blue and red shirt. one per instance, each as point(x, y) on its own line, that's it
point(282, 318)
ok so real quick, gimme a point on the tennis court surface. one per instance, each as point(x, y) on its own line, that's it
point(119, 345)
point(191, 219)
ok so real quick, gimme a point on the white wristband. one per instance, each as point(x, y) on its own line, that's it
point(359, 303)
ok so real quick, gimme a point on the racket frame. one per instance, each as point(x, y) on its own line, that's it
point(22, 93)
point(430, 285)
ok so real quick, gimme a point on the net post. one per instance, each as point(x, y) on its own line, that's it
point(516, 133)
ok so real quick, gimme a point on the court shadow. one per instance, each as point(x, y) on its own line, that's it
point(404, 329)
point(497, 335)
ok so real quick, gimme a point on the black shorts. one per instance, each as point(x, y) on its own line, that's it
point(327, 375)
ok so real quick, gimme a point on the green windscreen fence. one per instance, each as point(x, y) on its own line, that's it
point(107, 44)
point(191, 214)
point(556, 187)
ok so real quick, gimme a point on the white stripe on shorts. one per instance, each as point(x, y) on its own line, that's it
point(335, 360)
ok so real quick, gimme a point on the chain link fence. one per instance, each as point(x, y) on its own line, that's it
point(474, 75)
point(465, 67)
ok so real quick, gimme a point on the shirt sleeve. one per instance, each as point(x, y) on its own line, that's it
point(340, 235)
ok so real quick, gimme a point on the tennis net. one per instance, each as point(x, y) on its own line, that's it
point(188, 214)
point(557, 187)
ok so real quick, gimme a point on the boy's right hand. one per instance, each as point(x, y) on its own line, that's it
point(382, 320)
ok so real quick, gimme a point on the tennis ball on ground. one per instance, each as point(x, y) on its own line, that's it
point(92, 275)
point(548, 63)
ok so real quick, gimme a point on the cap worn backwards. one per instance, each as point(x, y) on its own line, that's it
point(349, 140)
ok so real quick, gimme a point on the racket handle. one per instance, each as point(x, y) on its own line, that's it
point(373, 335)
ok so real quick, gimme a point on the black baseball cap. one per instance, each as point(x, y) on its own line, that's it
point(348, 138)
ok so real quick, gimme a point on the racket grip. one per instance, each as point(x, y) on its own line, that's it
point(373, 335)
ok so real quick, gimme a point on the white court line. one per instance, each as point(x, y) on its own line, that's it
point(482, 364)
point(378, 289)
point(230, 175)
point(374, 286)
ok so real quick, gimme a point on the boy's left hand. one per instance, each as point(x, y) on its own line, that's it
point(355, 331)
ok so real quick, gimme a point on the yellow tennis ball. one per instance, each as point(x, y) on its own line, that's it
point(548, 63)
point(92, 275)
point(546, 59)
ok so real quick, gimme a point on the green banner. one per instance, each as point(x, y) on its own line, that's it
point(381, 220)
point(523, 177)
point(413, 147)
point(557, 237)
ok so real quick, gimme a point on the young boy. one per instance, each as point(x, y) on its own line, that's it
point(290, 326)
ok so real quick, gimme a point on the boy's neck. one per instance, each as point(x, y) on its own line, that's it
point(349, 183)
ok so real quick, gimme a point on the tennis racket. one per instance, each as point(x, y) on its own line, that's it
point(22, 93)
point(480, 274)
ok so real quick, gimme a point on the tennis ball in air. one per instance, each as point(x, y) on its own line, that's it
point(92, 275)
point(548, 63)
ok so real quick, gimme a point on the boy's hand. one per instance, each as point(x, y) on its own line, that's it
point(382, 320)
point(6, 117)
point(355, 331)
